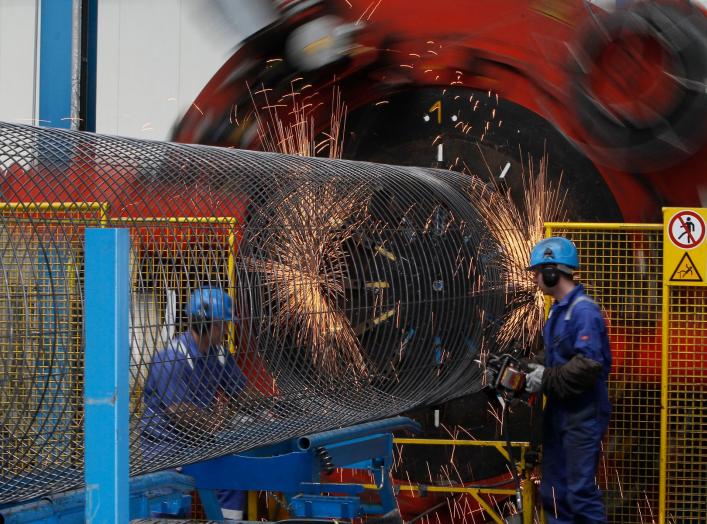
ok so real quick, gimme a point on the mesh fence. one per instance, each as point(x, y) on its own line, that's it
point(621, 267)
point(359, 291)
point(686, 401)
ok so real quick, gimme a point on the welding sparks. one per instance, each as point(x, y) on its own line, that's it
point(287, 125)
point(372, 6)
point(514, 230)
point(305, 269)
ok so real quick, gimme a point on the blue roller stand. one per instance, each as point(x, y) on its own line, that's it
point(295, 467)
point(166, 492)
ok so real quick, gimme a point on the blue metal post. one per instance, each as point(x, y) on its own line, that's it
point(55, 63)
point(91, 72)
point(106, 390)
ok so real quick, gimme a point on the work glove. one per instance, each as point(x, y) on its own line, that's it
point(534, 379)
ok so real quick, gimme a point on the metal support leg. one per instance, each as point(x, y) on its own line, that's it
point(106, 391)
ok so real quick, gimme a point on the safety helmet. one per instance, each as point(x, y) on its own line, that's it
point(207, 304)
point(554, 250)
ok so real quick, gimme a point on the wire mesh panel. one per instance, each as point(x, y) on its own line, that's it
point(358, 291)
point(165, 263)
point(686, 464)
point(41, 384)
point(621, 267)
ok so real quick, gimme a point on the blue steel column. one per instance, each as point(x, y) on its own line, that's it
point(91, 66)
point(55, 50)
point(106, 390)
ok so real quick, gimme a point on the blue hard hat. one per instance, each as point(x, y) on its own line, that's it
point(210, 303)
point(554, 250)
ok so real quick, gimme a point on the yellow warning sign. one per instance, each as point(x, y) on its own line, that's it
point(684, 246)
point(686, 271)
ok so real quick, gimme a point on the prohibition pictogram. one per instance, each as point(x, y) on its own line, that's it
point(686, 229)
point(686, 271)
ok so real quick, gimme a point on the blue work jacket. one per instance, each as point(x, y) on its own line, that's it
point(180, 374)
point(576, 326)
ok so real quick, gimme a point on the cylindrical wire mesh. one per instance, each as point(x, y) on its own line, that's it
point(360, 291)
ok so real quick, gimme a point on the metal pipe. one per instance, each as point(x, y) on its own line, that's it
point(76, 64)
point(337, 435)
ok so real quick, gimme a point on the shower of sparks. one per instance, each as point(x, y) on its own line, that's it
point(650, 508)
point(618, 481)
point(287, 125)
point(514, 230)
point(461, 507)
point(305, 269)
point(337, 125)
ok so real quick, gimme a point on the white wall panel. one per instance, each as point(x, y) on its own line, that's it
point(18, 52)
point(155, 56)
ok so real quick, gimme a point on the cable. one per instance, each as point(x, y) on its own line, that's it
point(509, 450)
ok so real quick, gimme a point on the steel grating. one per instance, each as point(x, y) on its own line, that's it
point(686, 393)
point(362, 290)
point(621, 267)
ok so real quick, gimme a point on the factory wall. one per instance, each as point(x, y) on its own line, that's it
point(154, 57)
point(18, 66)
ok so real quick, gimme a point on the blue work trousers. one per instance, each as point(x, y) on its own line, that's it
point(571, 448)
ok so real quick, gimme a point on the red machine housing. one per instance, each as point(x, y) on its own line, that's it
point(619, 87)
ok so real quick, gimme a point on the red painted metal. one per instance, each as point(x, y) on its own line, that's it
point(518, 49)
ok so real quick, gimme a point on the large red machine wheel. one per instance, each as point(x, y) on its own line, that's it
point(638, 85)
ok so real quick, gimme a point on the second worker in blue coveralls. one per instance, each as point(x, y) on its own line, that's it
point(572, 373)
point(192, 384)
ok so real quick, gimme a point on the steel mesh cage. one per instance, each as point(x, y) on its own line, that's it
point(359, 291)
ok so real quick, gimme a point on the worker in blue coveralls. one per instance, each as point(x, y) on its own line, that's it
point(573, 374)
point(191, 385)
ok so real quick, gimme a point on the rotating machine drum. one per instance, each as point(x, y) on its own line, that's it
point(638, 85)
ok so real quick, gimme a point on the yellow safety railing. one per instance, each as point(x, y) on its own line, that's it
point(476, 492)
point(621, 268)
point(231, 222)
point(683, 428)
point(42, 250)
point(102, 207)
point(211, 240)
point(174, 260)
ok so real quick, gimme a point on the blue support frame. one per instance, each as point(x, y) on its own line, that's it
point(55, 63)
point(91, 69)
point(106, 389)
point(166, 492)
point(295, 467)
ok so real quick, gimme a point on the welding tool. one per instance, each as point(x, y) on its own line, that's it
point(506, 378)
